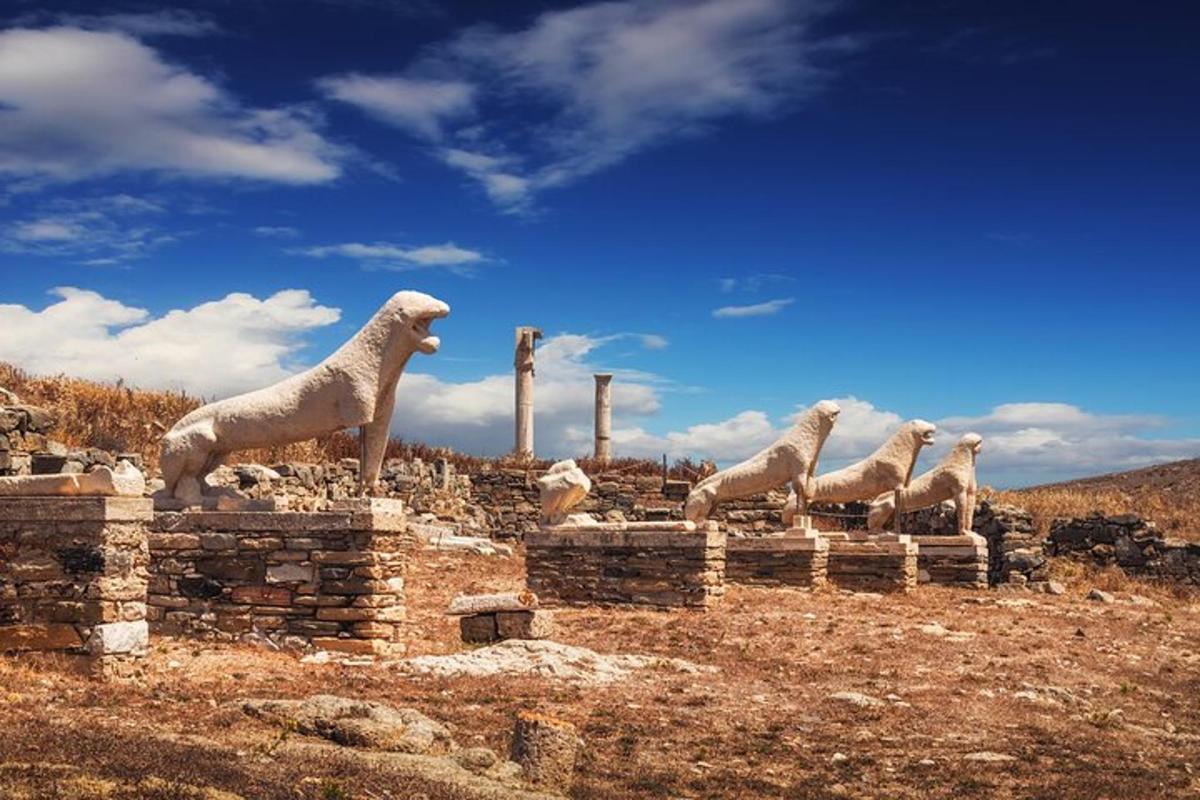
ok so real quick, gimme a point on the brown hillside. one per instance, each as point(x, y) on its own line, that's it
point(1168, 493)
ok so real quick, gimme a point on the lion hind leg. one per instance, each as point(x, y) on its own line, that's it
point(881, 512)
point(700, 502)
point(187, 456)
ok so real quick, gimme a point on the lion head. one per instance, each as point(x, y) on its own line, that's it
point(921, 431)
point(827, 413)
point(972, 442)
point(414, 312)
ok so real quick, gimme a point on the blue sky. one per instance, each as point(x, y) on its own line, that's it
point(981, 214)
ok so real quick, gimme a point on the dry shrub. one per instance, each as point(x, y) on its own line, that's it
point(1175, 513)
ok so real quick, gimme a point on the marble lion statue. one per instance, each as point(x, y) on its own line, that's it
point(952, 479)
point(791, 460)
point(356, 386)
point(887, 469)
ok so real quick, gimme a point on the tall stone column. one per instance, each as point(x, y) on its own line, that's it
point(523, 364)
point(603, 417)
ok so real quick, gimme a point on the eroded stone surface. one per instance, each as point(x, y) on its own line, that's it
point(562, 488)
point(356, 386)
point(952, 479)
point(125, 480)
point(356, 723)
point(792, 459)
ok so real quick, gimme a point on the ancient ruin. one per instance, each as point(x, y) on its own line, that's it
point(603, 424)
point(952, 479)
point(791, 460)
point(356, 386)
point(526, 338)
point(125, 480)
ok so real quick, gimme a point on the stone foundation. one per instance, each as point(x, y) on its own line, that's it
point(73, 578)
point(952, 561)
point(874, 563)
point(333, 579)
point(797, 558)
point(660, 565)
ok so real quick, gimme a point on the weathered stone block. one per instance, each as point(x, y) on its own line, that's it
point(524, 624)
point(478, 629)
point(119, 638)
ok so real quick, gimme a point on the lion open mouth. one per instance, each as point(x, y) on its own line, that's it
point(927, 437)
point(427, 342)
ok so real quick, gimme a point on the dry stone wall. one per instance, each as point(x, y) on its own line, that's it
point(332, 579)
point(1129, 542)
point(654, 568)
point(73, 577)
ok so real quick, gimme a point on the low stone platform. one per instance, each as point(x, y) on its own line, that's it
point(73, 578)
point(952, 560)
point(799, 557)
point(333, 579)
point(874, 563)
point(666, 564)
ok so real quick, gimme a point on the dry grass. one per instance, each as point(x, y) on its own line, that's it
point(1175, 514)
point(1091, 700)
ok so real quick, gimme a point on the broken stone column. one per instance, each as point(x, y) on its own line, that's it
point(545, 748)
point(523, 364)
point(603, 418)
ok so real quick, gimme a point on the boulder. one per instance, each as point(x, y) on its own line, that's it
point(357, 723)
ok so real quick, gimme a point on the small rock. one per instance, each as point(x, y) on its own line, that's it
point(857, 699)
point(839, 758)
point(1054, 587)
point(1100, 596)
point(988, 757)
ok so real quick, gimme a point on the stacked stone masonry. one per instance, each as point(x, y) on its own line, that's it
point(332, 579)
point(952, 561)
point(1129, 542)
point(652, 568)
point(873, 564)
point(777, 561)
point(73, 577)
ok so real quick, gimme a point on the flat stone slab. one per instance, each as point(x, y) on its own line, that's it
point(774, 544)
point(627, 537)
point(73, 509)
point(298, 523)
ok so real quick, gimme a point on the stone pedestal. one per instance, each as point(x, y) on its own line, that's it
point(333, 579)
point(952, 560)
point(885, 562)
point(798, 557)
point(661, 564)
point(73, 578)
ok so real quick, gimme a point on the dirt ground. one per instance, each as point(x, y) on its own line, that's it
point(967, 694)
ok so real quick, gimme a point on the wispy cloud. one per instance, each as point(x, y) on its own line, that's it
point(753, 282)
point(109, 103)
point(99, 230)
point(386, 255)
point(418, 105)
point(757, 310)
point(277, 231)
point(584, 88)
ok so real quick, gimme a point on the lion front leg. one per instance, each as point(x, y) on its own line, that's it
point(964, 507)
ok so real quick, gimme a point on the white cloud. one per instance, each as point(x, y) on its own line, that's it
point(584, 88)
point(78, 103)
point(653, 341)
point(217, 348)
point(385, 255)
point(105, 229)
point(419, 105)
point(241, 342)
point(757, 310)
point(277, 231)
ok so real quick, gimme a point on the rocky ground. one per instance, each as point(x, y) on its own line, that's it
point(776, 693)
